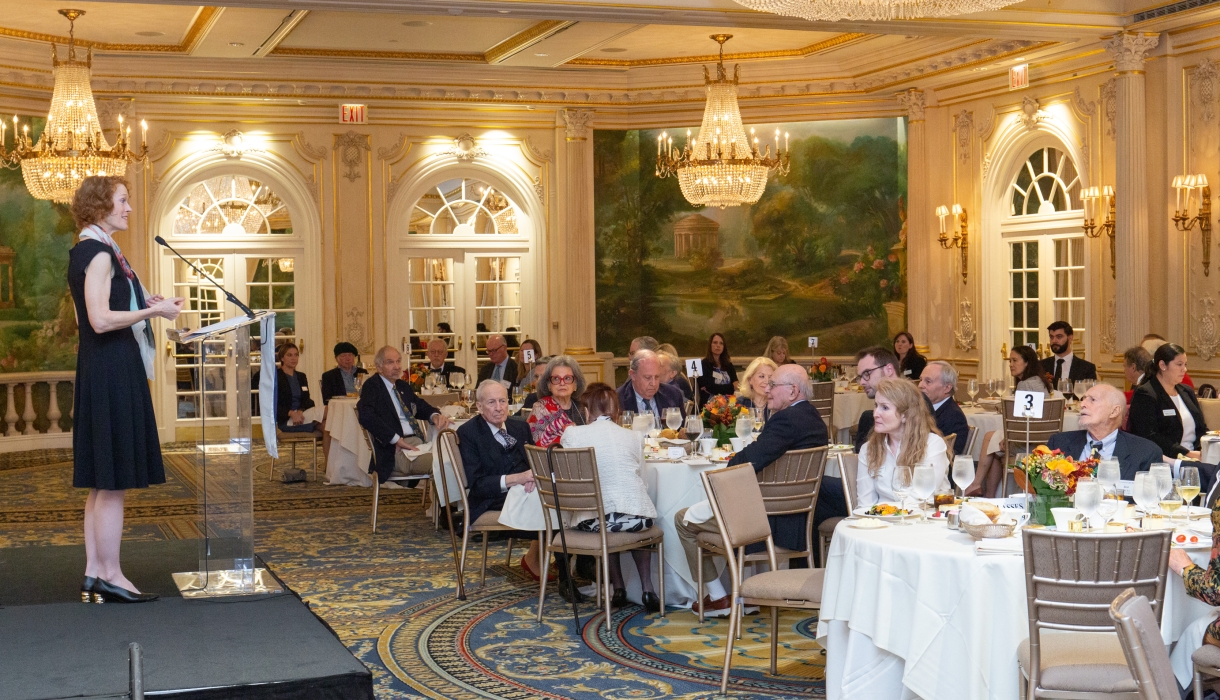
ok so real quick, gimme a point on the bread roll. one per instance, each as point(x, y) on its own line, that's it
point(990, 510)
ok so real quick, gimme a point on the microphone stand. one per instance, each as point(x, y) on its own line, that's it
point(228, 295)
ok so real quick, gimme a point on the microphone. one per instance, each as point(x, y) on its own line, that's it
point(228, 295)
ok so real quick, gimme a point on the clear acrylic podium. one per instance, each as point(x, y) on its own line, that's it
point(226, 495)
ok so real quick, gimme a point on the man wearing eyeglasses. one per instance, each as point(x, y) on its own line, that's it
point(500, 366)
point(794, 425)
point(872, 366)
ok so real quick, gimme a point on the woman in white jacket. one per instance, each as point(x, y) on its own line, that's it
point(904, 433)
point(620, 456)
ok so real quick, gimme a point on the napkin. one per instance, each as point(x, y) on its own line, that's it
point(697, 461)
point(1008, 545)
point(701, 512)
point(969, 515)
point(452, 411)
point(420, 450)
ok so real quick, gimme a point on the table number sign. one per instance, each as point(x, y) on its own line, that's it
point(813, 341)
point(1028, 404)
point(694, 368)
point(528, 355)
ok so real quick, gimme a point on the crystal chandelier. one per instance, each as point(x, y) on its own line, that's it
point(721, 168)
point(873, 10)
point(72, 146)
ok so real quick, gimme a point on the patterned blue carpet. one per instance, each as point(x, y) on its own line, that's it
point(390, 597)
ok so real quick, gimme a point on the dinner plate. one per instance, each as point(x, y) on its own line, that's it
point(862, 512)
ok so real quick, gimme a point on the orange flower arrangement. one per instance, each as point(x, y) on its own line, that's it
point(820, 371)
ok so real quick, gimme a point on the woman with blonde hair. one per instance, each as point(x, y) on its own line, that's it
point(755, 384)
point(777, 351)
point(904, 433)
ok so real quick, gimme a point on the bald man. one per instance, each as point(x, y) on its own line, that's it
point(500, 366)
point(438, 362)
point(1101, 416)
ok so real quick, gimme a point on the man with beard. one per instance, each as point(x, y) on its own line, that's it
point(1064, 364)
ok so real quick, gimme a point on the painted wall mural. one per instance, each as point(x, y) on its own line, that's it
point(822, 253)
point(37, 320)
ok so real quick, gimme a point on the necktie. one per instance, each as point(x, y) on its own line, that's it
point(509, 441)
point(498, 374)
point(402, 407)
point(1058, 371)
point(1096, 449)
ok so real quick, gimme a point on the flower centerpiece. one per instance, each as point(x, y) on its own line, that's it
point(416, 374)
point(1051, 476)
point(820, 371)
point(720, 414)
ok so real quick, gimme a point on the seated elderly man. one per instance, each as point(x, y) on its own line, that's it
point(1101, 415)
point(341, 380)
point(438, 362)
point(390, 411)
point(794, 425)
point(644, 390)
point(937, 382)
point(500, 366)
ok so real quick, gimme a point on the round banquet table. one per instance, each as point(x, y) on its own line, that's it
point(915, 612)
point(848, 407)
point(987, 420)
point(348, 460)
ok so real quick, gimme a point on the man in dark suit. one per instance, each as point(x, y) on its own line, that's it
point(872, 365)
point(1064, 364)
point(390, 411)
point(438, 362)
point(938, 382)
point(794, 425)
point(644, 391)
point(500, 366)
point(1101, 416)
point(341, 380)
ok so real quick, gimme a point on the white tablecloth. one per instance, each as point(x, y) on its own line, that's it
point(914, 612)
point(1210, 448)
point(348, 461)
point(847, 409)
point(987, 420)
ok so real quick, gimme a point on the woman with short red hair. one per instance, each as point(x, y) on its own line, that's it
point(115, 445)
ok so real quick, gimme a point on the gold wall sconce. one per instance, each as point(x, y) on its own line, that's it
point(1100, 202)
point(960, 238)
point(1194, 195)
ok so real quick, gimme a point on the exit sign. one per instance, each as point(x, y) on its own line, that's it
point(353, 114)
point(1018, 77)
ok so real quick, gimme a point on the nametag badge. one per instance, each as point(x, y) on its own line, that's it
point(906, 372)
point(528, 355)
point(694, 368)
point(813, 341)
point(1028, 404)
point(677, 452)
point(1126, 488)
point(1169, 412)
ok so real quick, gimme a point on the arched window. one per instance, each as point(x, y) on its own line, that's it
point(1048, 183)
point(232, 205)
point(464, 207)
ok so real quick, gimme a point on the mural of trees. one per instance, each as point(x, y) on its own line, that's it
point(821, 253)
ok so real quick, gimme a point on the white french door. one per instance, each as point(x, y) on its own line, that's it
point(461, 297)
point(1046, 283)
point(262, 280)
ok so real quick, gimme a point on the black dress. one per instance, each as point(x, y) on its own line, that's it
point(114, 435)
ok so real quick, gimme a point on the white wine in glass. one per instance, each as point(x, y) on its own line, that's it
point(1188, 484)
point(972, 388)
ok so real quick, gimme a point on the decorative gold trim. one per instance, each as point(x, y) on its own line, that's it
point(400, 55)
point(202, 23)
point(204, 18)
point(524, 39)
point(822, 46)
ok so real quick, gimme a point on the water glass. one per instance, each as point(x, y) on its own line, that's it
point(1163, 478)
point(1088, 498)
point(963, 472)
point(900, 483)
point(1144, 491)
point(673, 418)
point(744, 427)
point(1110, 503)
point(923, 485)
point(1109, 473)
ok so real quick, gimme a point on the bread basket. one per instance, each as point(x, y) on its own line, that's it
point(989, 530)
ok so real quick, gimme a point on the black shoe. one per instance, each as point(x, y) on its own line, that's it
point(86, 590)
point(567, 589)
point(620, 598)
point(651, 602)
point(106, 592)
point(586, 567)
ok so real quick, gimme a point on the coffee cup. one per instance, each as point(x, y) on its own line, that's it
point(707, 445)
point(1063, 518)
point(738, 443)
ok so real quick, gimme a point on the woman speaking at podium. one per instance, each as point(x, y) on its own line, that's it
point(114, 435)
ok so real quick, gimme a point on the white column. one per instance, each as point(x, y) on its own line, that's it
point(1131, 186)
point(573, 246)
point(919, 211)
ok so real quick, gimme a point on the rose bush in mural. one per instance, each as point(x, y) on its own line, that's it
point(821, 253)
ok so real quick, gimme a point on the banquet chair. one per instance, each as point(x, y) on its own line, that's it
point(848, 463)
point(824, 400)
point(368, 440)
point(737, 502)
point(1023, 435)
point(971, 438)
point(488, 522)
point(789, 486)
point(580, 491)
point(1070, 580)
point(1143, 646)
point(950, 441)
point(292, 440)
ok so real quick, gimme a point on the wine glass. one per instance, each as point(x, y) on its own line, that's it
point(429, 383)
point(1088, 497)
point(694, 427)
point(900, 483)
point(1144, 491)
point(673, 418)
point(759, 421)
point(457, 380)
point(963, 472)
point(627, 419)
point(923, 485)
point(972, 388)
point(744, 427)
point(1065, 387)
point(1163, 479)
point(1108, 473)
point(1172, 501)
point(1110, 503)
point(1188, 485)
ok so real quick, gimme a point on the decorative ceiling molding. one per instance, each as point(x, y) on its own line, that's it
point(521, 41)
point(465, 148)
point(203, 21)
point(1031, 113)
point(538, 155)
point(984, 52)
point(350, 145)
point(830, 44)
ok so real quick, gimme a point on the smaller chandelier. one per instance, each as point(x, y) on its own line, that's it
point(872, 10)
point(72, 146)
point(721, 168)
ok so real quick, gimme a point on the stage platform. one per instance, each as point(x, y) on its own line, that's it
point(54, 646)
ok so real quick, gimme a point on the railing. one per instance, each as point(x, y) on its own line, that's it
point(32, 420)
